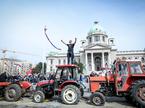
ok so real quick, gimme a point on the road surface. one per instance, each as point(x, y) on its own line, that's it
point(113, 102)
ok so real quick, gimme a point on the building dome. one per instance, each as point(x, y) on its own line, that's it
point(96, 35)
point(96, 29)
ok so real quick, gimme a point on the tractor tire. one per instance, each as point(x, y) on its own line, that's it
point(138, 93)
point(70, 95)
point(38, 97)
point(97, 99)
point(128, 98)
point(13, 92)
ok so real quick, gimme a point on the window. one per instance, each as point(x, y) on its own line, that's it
point(79, 60)
point(143, 59)
point(90, 39)
point(51, 61)
point(50, 68)
point(97, 38)
point(58, 73)
point(59, 61)
point(64, 61)
point(135, 68)
point(73, 73)
point(122, 69)
point(111, 41)
point(64, 75)
point(124, 58)
point(103, 38)
point(143, 68)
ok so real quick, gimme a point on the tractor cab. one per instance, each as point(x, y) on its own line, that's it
point(66, 72)
point(125, 73)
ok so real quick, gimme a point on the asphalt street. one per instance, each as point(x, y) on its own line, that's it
point(112, 102)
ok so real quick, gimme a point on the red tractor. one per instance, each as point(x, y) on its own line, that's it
point(12, 89)
point(62, 83)
point(127, 79)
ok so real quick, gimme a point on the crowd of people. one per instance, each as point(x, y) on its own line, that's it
point(102, 72)
point(33, 78)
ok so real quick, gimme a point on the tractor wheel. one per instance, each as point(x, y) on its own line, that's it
point(128, 98)
point(97, 99)
point(13, 92)
point(138, 93)
point(70, 94)
point(38, 97)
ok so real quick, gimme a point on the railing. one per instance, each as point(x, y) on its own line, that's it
point(132, 51)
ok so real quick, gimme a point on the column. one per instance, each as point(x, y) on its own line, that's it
point(109, 60)
point(103, 59)
point(66, 60)
point(86, 56)
point(92, 62)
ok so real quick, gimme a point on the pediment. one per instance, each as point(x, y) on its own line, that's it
point(97, 46)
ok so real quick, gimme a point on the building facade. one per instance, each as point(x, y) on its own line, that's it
point(14, 66)
point(54, 59)
point(96, 52)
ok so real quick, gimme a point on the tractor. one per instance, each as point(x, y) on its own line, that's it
point(13, 88)
point(62, 83)
point(127, 79)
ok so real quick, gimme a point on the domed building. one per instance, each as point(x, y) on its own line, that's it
point(96, 52)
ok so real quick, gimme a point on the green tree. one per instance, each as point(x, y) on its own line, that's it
point(80, 65)
point(37, 68)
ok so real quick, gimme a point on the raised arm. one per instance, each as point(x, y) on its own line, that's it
point(75, 41)
point(63, 42)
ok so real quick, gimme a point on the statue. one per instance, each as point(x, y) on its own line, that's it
point(70, 53)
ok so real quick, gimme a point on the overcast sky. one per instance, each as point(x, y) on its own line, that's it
point(22, 23)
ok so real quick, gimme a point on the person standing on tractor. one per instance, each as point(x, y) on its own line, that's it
point(70, 53)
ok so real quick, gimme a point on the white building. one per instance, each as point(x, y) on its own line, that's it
point(96, 51)
point(54, 59)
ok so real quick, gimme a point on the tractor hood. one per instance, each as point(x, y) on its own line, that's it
point(25, 84)
point(41, 83)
